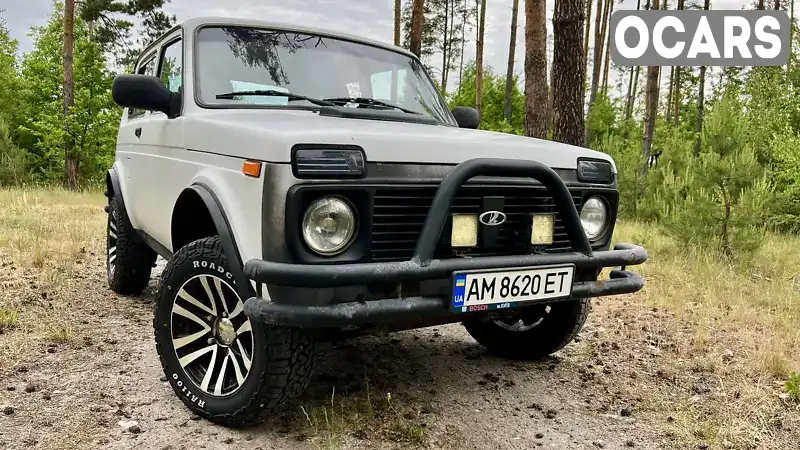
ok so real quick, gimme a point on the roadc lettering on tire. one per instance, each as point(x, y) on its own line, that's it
point(210, 265)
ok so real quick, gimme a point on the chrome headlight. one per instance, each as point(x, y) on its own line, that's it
point(593, 217)
point(329, 225)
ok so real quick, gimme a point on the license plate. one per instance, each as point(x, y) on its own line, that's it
point(495, 289)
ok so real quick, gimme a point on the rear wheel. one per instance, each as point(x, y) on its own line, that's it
point(534, 333)
point(129, 261)
point(223, 366)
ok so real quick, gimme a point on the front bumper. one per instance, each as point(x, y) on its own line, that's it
point(422, 266)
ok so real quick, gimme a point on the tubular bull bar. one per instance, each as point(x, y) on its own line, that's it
point(422, 265)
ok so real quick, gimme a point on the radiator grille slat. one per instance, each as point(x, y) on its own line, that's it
point(399, 213)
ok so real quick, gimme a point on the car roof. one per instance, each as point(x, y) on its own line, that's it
point(191, 24)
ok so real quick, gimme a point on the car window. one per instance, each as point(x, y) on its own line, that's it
point(147, 67)
point(386, 87)
point(171, 67)
point(311, 65)
point(237, 85)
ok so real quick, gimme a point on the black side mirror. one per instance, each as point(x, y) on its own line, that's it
point(467, 117)
point(145, 92)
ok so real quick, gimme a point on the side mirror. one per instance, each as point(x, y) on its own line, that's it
point(467, 117)
point(145, 92)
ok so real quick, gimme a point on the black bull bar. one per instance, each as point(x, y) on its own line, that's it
point(422, 266)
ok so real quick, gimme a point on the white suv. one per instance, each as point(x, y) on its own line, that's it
point(304, 185)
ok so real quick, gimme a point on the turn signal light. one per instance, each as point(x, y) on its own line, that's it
point(252, 168)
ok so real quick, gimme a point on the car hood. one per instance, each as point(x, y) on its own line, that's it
point(269, 135)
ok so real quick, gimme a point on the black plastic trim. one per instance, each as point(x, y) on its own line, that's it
point(117, 191)
point(155, 245)
point(333, 175)
point(223, 227)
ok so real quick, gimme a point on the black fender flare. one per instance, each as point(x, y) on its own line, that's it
point(225, 235)
point(114, 189)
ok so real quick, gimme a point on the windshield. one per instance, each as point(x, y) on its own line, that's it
point(234, 58)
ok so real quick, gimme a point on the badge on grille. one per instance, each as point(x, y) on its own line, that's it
point(492, 218)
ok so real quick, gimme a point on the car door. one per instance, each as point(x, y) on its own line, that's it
point(162, 150)
point(128, 156)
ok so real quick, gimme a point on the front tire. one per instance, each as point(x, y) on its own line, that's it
point(224, 367)
point(129, 261)
point(537, 332)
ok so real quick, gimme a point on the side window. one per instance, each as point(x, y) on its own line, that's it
point(171, 67)
point(148, 67)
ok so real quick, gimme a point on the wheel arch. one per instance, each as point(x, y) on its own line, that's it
point(197, 214)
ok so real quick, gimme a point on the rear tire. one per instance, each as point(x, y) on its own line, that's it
point(129, 261)
point(234, 379)
point(542, 332)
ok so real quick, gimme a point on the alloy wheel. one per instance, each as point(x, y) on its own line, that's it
point(211, 335)
point(111, 244)
point(525, 321)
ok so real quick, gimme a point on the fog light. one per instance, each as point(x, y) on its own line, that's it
point(465, 230)
point(542, 227)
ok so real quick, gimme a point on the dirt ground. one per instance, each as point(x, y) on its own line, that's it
point(78, 369)
point(439, 381)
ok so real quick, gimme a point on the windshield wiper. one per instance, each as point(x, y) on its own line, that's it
point(272, 93)
point(369, 101)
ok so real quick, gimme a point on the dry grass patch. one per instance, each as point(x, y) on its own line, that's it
point(47, 237)
point(364, 416)
point(719, 338)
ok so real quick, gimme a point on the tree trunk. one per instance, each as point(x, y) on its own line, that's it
point(417, 20)
point(700, 105)
point(651, 110)
point(596, 65)
point(608, 45)
point(70, 159)
point(397, 7)
point(568, 78)
point(629, 98)
point(479, 60)
point(777, 5)
point(760, 4)
point(668, 109)
point(535, 69)
point(676, 95)
point(463, 43)
point(587, 24)
point(701, 94)
point(512, 46)
point(445, 37)
point(791, 33)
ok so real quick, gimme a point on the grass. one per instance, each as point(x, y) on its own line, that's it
point(364, 416)
point(733, 330)
point(714, 343)
point(47, 237)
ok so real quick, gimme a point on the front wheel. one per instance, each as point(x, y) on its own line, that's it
point(536, 332)
point(223, 366)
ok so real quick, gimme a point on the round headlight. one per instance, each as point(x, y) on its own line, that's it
point(329, 225)
point(593, 217)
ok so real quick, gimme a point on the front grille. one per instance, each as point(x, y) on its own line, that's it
point(399, 213)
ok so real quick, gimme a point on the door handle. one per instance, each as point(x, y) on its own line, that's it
point(138, 132)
